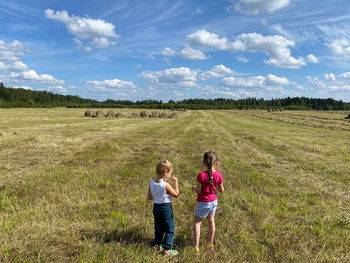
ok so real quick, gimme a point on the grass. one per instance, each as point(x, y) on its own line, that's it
point(72, 189)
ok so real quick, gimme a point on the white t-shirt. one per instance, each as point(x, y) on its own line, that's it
point(159, 193)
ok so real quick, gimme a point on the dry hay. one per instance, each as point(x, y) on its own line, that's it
point(164, 115)
point(134, 115)
point(173, 115)
point(119, 115)
point(87, 113)
point(100, 114)
point(154, 114)
point(110, 114)
point(143, 114)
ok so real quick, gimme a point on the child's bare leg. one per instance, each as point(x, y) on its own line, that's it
point(197, 230)
point(211, 228)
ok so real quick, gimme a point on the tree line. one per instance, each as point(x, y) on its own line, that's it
point(11, 98)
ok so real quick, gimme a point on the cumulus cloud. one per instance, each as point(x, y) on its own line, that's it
point(251, 82)
point(242, 59)
point(277, 47)
point(345, 75)
point(329, 76)
point(186, 53)
point(97, 30)
point(255, 82)
point(10, 52)
point(254, 7)
point(192, 54)
point(58, 89)
point(111, 84)
point(272, 80)
point(217, 71)
point(173, 77)
point(312, 59)
point(340, 47)
point(31, 76)
point(206, 39)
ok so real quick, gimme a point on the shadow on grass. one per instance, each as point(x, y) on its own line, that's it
point(127, 237)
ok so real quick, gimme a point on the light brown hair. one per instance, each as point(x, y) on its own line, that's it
point(209, 159)
point(164, 166)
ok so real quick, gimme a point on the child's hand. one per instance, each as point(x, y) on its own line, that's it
point(173, 179)
point(194, 188)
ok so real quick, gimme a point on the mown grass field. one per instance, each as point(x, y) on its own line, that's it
point(73, 189)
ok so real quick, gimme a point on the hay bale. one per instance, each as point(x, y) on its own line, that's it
point(100, 114)
point(87, 113)
point(164, 115)
point(119, 115)
point(143, 114)
point(154, 114)
point(134, 115)
point(110, 114)
point(173, 115)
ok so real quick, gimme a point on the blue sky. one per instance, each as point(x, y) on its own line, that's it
point(159, 49)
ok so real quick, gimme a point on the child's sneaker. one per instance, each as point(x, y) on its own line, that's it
point(158, 247)
point(171, 252)
point(211, 246)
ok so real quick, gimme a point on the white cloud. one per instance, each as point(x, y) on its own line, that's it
point(272, 80)
point(98, 30)
point(242, 59)
point(81, 46)
point(168, 52)
point(58, 89)
point(206, 39)
point(10, 52)
point(15, 66)
point(312, 59)
point(186, 53)
point(179, 77)
point(31, 76)
point(255, 82)
point(252, 82)
point(192, 54)
point(329, 76)
point(111, 84)
point(256, 6)
point(345, 75)
point(217, 71)
point(340, 47)
point(340, 88)
point(274, 46)
point(316, 83)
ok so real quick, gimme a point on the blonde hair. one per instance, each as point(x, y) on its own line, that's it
point(164, 166)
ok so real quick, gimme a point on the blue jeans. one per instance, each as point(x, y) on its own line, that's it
point(163, 224)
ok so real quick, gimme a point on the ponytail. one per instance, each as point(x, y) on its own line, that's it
point(210, 179)
point(210, 158)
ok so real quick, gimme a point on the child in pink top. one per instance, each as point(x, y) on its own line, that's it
point(207, 182)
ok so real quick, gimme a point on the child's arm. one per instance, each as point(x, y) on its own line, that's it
point(220, 188)
point(197, 188)
point(171, 191)
point(149, 194)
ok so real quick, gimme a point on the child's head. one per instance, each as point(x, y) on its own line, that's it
point(210, 159)
point(163, 167)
